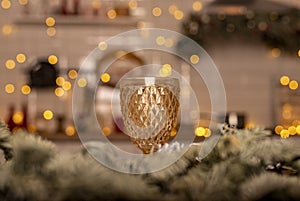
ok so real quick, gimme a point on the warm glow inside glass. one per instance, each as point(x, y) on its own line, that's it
point(149, 108)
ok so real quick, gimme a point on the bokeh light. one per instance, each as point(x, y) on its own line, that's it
point(67, 85)
point(172, 9)
point(102, 45)
point(285, 80)
point(9, 88)
point(23, 2)
point(197, 6)
point(7, 29)
point(178, 14)
point(292, 130)
point(156, 11)
point(50, 21)
point(105, 77)
point(194, 59)
point(25, 89)
point(106, 131)
point(18, 117)
point(10, 64)
point(72, 74)
point(293, 85)
point(284, 133)
point(70, 131)
point(51, 31)
point(5, 4)
point(132, 4)
point(111, 14)
point(52, 59)
point(160, 40)
point(200, 131)
point(48, 114)
point(166, 70)
point(21, 58)
point(275, 52)
point(82, 82)
point(60, 81)
point(278, 129)
point(59, 92)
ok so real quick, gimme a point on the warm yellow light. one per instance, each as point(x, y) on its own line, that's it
point(51, 31)
point(102, 46)
point(52, 59)
point(286, 114)
point(10, 64)
point(172, 9)
point(173, 133)
point(156, 11)
point(194, 59)
point(284, 80)
point(207, 132)
point(82, 82)
point(96, 4)
point(296, 123)
point(169, 42)
point(160, 40)
point(111, 14)
point(200, 131)
point(298, 129)
point(31, 128)
point(166, 70)
point(72, 74)
point(23, 2)
point(5, 4)
point(293, 85)
point(106, 131)
point(178, 14)
point(132, 4)
point(278, 129)
point(105, 77)
point(9, 88)
point(7, 29)
point(25, 89)
point(197, 6)
point(275, 52)
point(70, 130)
point(50, 21)
point(284, 133)
point(18, 117)
point(59, 92)
point(67, 85)
point(48, 114)
point(60, 81)
point(298, 53)
point(21, 58)
point(292, 130)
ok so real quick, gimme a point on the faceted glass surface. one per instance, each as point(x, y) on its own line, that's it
point(149, 108)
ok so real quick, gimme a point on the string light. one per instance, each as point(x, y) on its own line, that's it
point(70, 131)
point(160, 40)
point(18, 117)
point(132, 4)
point(82, 82)
point(7, 29)
point(105, 77)
point(50, 21)
point(51, 31)
point(156, 11)
point(292, 130)
point(48, 114)
point(172, 9)
point(10, 64)
point(60, 81)
point(25, 89)
point(200, 131)
point(278, 129)
point(178, 14)
point(23, 2)
point(21, 58)
point(293, 85)
point(59, 92)
point(298, 129)
point(166, 70)
point(284, 133)
point(67, 85)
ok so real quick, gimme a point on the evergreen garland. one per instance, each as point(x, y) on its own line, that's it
point(276, 30)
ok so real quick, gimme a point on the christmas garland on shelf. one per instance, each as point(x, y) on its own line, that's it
point(276, 30)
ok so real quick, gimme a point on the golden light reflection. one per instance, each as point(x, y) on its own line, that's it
point(67, 85)
point(298, 129)
point(48, 114)
point(173, 133)
point(111, 14)
point(172, 9)
point(82, 82)
point(9, 88)
point(51, 31)
point(59, 92)
point(293, 85)
point(194, 59)
point(10, 64)
point(197, 6)
point(178, 14)
point(21, 58)
point(284, 133)
point(284, 80)
point(156, 11)
point(105, 77)
point(50, 21)
point(72, 74)
point(25, 89)
point(275, 52)
point(292, 130)
point(298, 53)
point(278, 129)
point(166, 70)
point(132, 4)
point(169, 42)
point(23, 2)
point(200, 131)
point(160, 40)
point(52, 59)
point(106, 131)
